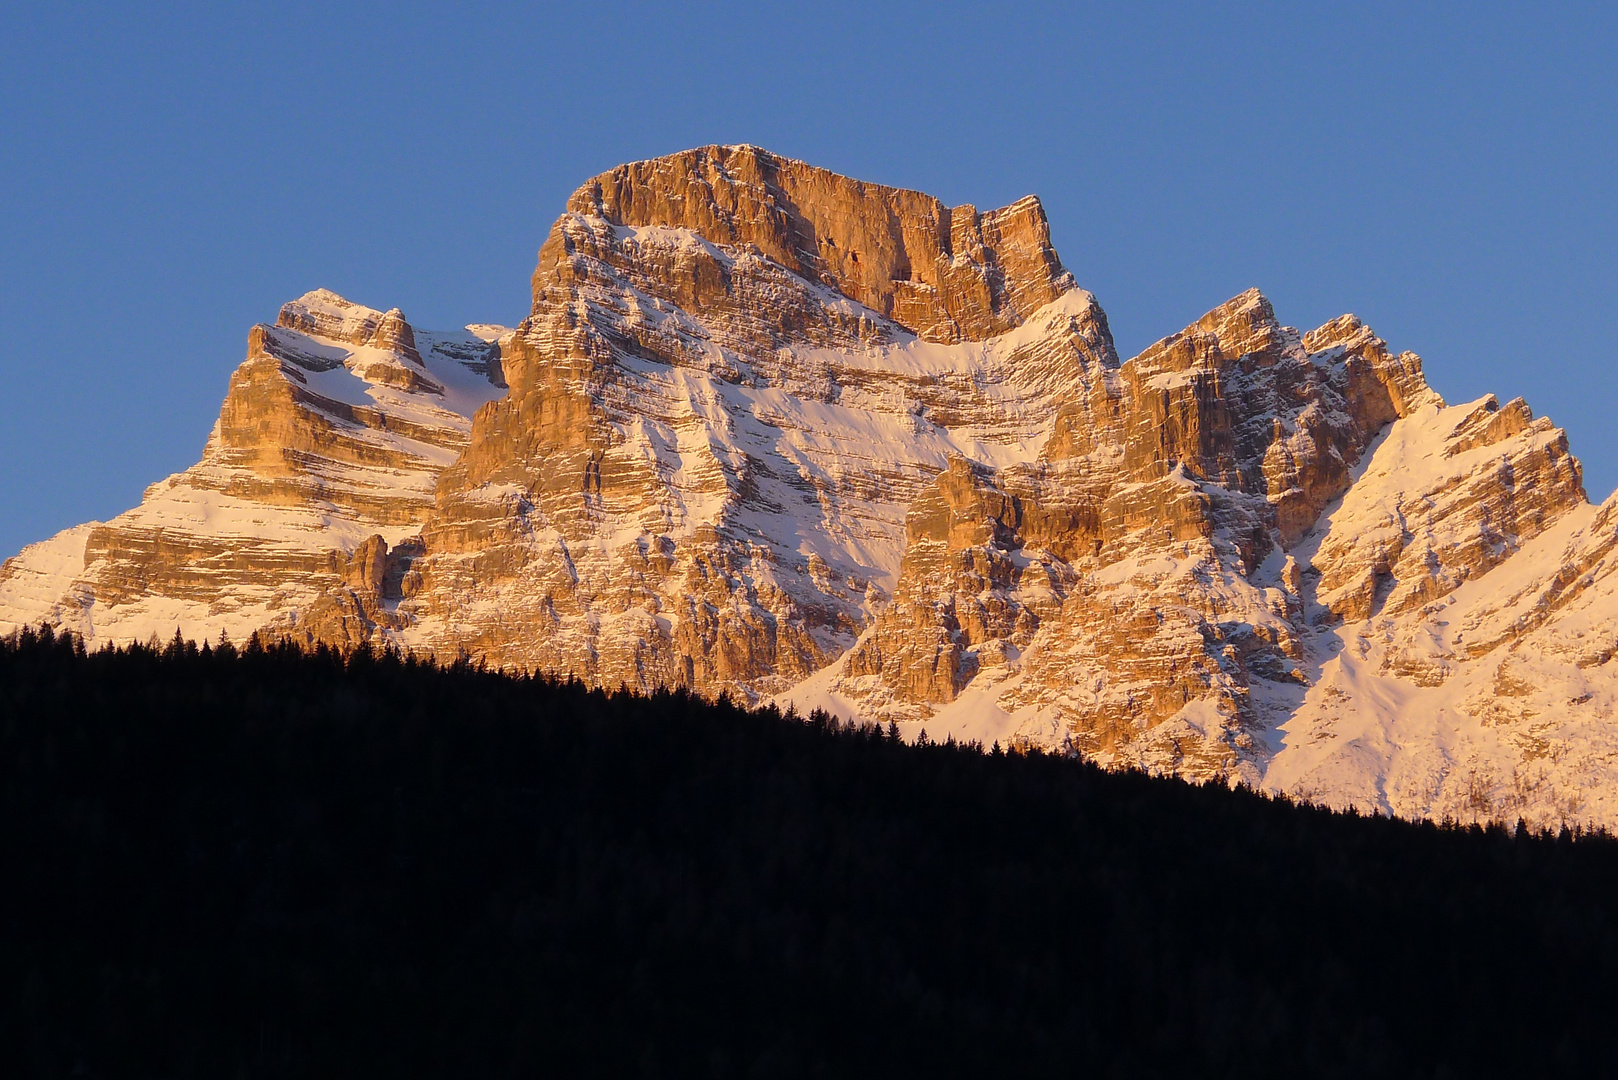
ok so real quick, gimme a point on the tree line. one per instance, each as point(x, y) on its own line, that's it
point(274, 862)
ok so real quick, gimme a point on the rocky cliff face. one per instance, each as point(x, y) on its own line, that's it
point(946, 274)
point(323, 463)
point(770, 431)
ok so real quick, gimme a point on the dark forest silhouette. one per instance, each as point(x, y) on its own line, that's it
point(263, 862)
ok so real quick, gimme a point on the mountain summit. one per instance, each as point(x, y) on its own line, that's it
point(770, 431)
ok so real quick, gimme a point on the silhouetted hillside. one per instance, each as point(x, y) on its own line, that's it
point(269, 863)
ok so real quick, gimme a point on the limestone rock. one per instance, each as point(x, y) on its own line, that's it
point(777, 433)
point(945, 273)
point(333, 431)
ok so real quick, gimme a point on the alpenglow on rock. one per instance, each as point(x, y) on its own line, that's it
point(776, 432)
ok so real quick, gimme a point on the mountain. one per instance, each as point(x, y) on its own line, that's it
point(770, 431)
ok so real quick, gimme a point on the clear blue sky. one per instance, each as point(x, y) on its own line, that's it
point(168, 178)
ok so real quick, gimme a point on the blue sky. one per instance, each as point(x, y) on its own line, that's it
point(169, 179)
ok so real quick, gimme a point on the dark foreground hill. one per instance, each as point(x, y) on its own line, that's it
point(270, 863)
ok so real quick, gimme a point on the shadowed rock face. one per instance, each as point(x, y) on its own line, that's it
point(774, 432)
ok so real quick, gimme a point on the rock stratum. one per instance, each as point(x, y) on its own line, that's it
point(770, 431)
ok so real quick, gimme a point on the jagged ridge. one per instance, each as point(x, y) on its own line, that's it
point(772, 431)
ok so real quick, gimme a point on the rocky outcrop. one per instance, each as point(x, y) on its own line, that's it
point(333, 431)
point(1128, 552)
point(1501, 479)
point(945, 273)
point(324, 314)
point(772, 432)
point(1462, 597)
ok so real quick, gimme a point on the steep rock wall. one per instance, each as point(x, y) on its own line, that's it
point(774, 432)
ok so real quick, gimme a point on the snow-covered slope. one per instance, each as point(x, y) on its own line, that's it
point(1472, 675)
point(771, 431)
point(325, 440)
